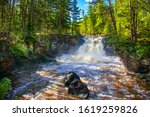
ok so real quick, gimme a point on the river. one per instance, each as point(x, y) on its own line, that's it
point(105, 75)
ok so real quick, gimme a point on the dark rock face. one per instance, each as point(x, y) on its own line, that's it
point(109, 49)
point(135, 64)
point(75, 86)
point(63, 44)
point(143, 69)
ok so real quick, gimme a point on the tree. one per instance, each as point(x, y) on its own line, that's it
point(101, 16)
point(112, 16)
point(75, 15)
point(91, 19)
point(97, 19)
point(133, 16)
point(4, 14)
point(84, 23)
point(61, 15)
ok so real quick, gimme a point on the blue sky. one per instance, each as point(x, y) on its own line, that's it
point(82, 4)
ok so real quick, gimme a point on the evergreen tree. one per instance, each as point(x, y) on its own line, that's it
point(61, 15)
point(75, 15)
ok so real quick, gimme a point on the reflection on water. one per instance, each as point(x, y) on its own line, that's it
point(105, 76)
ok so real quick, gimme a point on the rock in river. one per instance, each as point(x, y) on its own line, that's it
point(75, 85)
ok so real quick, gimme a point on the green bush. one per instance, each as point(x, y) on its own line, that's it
point(143, 51)
point(19, 50)
point(5, 87)
point(30, 38)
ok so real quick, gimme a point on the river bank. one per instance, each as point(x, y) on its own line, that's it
point(39, 51)
point(138, 65)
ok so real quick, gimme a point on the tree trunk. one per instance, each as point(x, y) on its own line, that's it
point(72, 28)
point(2, 15)
point(12, 13)
point(30, 11)
point(133, 17)
point(112, 16)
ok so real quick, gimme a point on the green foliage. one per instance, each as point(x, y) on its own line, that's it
point(97, 20)
point(30, 38)
point(143, 51)
point(5, 87)
point(139, 49)
point(45, 41)
point(132, 23)
point(20, 50)
point(37, 15)
point(75, 16)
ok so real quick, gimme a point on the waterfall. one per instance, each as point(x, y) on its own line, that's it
point(91, 51)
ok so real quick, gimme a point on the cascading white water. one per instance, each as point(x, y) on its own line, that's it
point(90, 52)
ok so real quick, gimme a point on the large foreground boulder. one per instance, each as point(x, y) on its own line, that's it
point(75, 85)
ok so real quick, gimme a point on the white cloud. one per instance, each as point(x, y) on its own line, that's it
point(88, 0)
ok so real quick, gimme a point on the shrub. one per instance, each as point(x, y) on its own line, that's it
point(30, 38)
point(143, 51)
point(19, 50)
point(5, 87)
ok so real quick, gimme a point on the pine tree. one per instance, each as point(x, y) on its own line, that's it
point(75, 15)
point(61, 15)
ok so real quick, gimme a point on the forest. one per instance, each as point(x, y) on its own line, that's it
point(127, 21)
point(34, 29)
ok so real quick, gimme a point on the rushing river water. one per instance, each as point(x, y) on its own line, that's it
point(105, 76)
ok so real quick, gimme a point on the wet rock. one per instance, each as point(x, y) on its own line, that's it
point(81, 41)
point(51, 53)
point(135, 64)
point(70, 77)
point(52, 59)
point(143, 69)
point(108, 47)
point(147, 77)
point(76, 86)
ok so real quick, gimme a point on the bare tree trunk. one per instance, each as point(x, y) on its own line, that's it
point(112, 16)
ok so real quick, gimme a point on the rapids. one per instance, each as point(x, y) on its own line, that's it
point(105, 76)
